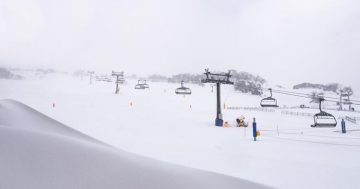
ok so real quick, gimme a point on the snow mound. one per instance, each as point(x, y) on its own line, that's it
point(38, 152)
point(18, 115)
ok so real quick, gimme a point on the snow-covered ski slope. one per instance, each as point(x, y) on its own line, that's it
point(37, 152)
point(159, 124)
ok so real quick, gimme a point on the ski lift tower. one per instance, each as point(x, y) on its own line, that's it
point(119, 79)
point(217, 78)
point(344, 99)
point(91, 73)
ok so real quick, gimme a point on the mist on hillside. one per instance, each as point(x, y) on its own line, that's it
point(302, 41)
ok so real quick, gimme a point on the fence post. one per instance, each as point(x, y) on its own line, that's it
point(254, 129)
point(343, 128)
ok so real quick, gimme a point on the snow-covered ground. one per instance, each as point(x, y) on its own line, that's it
point(159, 124)
point(37, 152)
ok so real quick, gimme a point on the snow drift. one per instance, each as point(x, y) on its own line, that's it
point(39, 152)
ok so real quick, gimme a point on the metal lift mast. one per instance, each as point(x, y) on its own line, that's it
point(218, 78)
point(119, 79)
point(344, 99)
point(91, 73)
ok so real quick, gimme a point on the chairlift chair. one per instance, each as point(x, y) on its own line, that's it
point(269, 101)
point(183, 90)
point(324, 119)
point(141, 85)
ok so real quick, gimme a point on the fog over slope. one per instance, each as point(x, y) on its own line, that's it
point(298, 40)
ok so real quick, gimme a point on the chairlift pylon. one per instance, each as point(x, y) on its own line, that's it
point(183, 90)
point(141, 85)
point(344, 99)
point(324, 119)
point(218, 79)
point(269, 101)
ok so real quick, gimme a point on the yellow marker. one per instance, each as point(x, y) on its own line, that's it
point(257, 133)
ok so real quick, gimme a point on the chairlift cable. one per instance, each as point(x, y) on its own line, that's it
point(304, 95)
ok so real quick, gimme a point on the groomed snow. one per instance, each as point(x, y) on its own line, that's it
point(37, 152)
point(161, 125)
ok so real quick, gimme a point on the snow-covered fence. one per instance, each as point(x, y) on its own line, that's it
point(250, 109)
point(297, 113)
point(350, 119)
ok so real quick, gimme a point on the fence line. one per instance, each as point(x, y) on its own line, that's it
point(250, 109)
point(297, 114)
point(350, 119)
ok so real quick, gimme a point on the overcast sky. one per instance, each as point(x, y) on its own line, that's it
point(281, 40)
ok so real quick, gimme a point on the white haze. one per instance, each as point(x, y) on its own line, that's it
point(284, 41)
